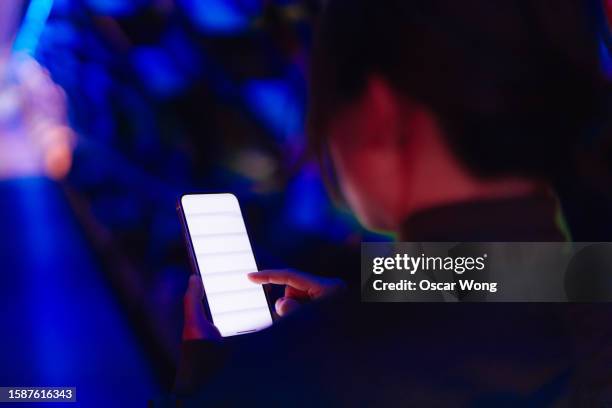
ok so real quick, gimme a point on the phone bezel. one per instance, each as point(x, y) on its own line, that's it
point(194, 262)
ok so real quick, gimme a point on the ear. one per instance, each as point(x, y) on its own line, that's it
point(399, 118)
point(382, 96)
point(380, 93)
point(384, 108)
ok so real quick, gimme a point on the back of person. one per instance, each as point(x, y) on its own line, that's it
point(393, 355)
point(341, 352)
point(442, 121)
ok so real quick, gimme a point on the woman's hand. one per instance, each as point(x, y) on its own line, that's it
point(299, 287)
point(196, 325)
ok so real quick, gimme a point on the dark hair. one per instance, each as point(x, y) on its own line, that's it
point(516, 84)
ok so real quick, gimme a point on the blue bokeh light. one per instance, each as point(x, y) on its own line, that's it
point(33, 24)
point(276, 104)
point(221, 16)
point(158, 71)
point(116, 8)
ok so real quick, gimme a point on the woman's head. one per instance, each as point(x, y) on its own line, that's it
point(403, 92)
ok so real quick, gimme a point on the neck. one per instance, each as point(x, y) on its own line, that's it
point(441, 192)
point(458, 190)
point(437, 178)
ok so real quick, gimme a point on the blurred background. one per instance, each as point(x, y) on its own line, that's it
point(109, 110)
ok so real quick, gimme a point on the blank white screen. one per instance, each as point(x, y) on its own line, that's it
point(221, 245)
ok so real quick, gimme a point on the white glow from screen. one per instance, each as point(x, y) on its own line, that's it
point(224, 256)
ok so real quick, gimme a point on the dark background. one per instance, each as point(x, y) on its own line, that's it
point(166, 97)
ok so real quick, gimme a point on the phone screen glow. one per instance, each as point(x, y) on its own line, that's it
point(224, 256)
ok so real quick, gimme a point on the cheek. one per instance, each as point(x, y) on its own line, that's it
point(367, 179)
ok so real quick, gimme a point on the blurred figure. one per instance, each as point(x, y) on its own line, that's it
point(442, 121)
point(35, 138)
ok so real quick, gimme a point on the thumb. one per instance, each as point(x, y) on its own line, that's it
point(286, 305)
point(195, 289)
point(196, 325)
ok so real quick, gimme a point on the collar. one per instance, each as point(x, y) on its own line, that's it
point(535, 217)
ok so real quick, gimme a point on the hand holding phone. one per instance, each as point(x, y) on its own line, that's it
point(196, 325)
point(221, 255)
point(300, 287)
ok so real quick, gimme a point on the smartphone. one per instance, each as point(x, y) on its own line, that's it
point(221, 253)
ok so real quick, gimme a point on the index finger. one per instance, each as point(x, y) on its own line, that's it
point(294, 279)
